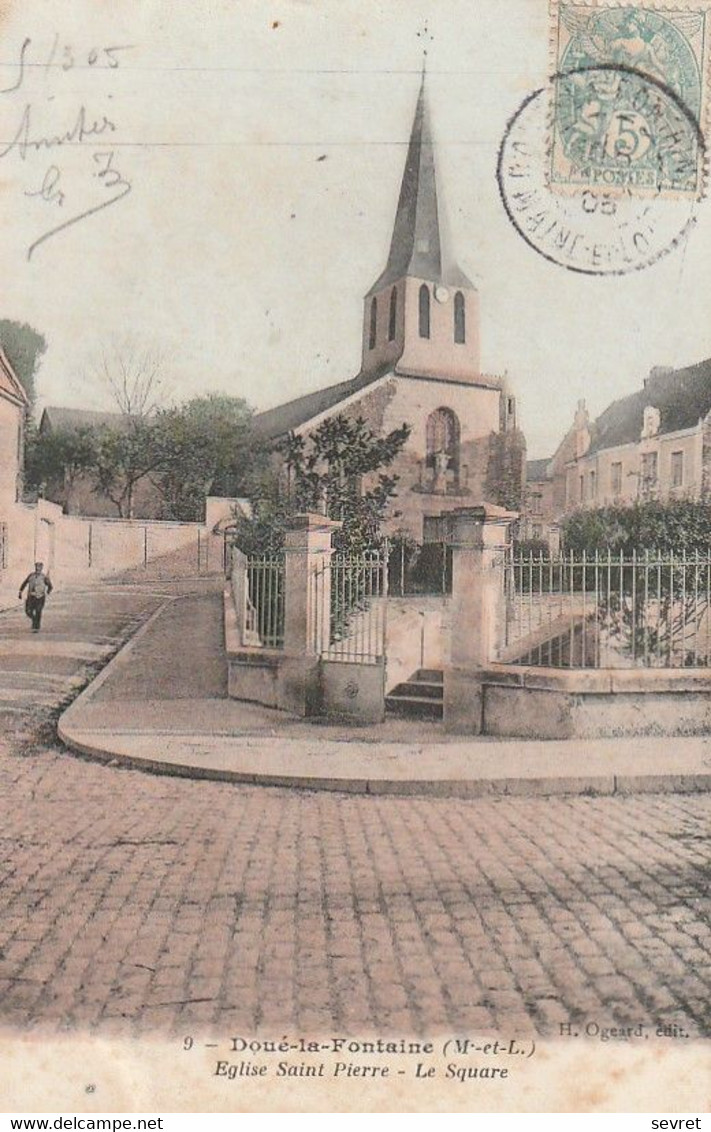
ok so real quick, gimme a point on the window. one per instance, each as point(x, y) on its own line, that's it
point(392, 320)
point(593, 485)
point(537, 531)
point(616, 479)
point(424, 311)
point(677, 469)
point(648, 476)
point(460, 327)
point(442, 434)
point(373, 323)
point(536, 503)
point(650, 422)
point(582, 488)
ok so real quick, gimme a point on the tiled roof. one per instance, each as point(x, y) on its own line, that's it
point(682, 396)
point(537, 470)
point(57, 417)
point(282, 419)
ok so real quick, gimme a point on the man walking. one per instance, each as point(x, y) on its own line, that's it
point(38, 588)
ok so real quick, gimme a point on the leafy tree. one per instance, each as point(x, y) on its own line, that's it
point(24, 348)
point(206, 446)
point(124, 457)
point(339, 469)
point(127, 453)
point(59, 458)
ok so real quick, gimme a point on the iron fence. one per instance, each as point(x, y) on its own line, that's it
point(606, 610)
point(350, 608)
point(264, 600)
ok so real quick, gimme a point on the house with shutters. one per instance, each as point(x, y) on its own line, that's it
point(654, 443)
point(420, 366)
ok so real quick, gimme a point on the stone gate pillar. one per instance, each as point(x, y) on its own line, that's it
point(480, 537)
point(308, 551)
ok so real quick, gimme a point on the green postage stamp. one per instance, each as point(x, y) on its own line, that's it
point(629, 97)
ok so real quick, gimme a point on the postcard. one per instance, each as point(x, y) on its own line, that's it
point(355, 555)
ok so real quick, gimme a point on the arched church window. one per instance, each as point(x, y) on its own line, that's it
point(392, 322)
point(373, 323)
point(442, 438)
point(460, 325)
point(424, 311)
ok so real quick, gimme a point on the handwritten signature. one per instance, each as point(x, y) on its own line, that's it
point(85, 128)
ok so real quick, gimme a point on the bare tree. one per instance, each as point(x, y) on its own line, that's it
point(132, 373)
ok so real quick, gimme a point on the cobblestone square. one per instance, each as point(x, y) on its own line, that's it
point(137, 904)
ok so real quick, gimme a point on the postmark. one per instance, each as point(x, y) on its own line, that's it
point(593, 227)
point(630, 79)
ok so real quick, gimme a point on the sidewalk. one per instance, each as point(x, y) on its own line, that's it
point(161, 705)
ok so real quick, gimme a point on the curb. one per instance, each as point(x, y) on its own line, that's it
point(585, 785)
point(591, 785)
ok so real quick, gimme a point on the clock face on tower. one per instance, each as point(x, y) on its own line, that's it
point(441, 293)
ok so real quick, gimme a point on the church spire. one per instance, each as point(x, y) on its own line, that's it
point(416, 247)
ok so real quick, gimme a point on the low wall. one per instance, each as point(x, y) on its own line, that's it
point(302, 685)
point(353, 691)
point(75, 547)
point(546, 703)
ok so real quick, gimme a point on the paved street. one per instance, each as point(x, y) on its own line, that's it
point(135, 903)
point(80, 629)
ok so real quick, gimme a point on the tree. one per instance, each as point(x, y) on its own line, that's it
point(24, 348)
point(127, 452)
point(60, 457)
point(338, 470)
point(125, 456)
point(206, 446)
point(132, 374)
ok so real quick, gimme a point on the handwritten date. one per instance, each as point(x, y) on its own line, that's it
point(66, 58)
point(80, 126)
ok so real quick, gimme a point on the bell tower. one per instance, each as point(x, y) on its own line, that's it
point(422, 313)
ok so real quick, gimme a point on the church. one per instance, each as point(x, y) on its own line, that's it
point(421, 367)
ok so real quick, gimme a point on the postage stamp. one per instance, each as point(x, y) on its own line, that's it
point(630, 97)
point(589, 229)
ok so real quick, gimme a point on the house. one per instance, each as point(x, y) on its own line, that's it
point(13, 408)
point(421, 367)
point(545, 499)
point(652, 444)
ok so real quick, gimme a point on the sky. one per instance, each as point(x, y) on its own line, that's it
point(255, 151)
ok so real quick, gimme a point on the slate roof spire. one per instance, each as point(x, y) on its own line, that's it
point(418, 246)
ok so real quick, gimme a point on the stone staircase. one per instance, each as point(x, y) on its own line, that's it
point(421, 696)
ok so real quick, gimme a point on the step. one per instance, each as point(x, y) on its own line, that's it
point(423, 688)
point(414, 706)
point(428, 675)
